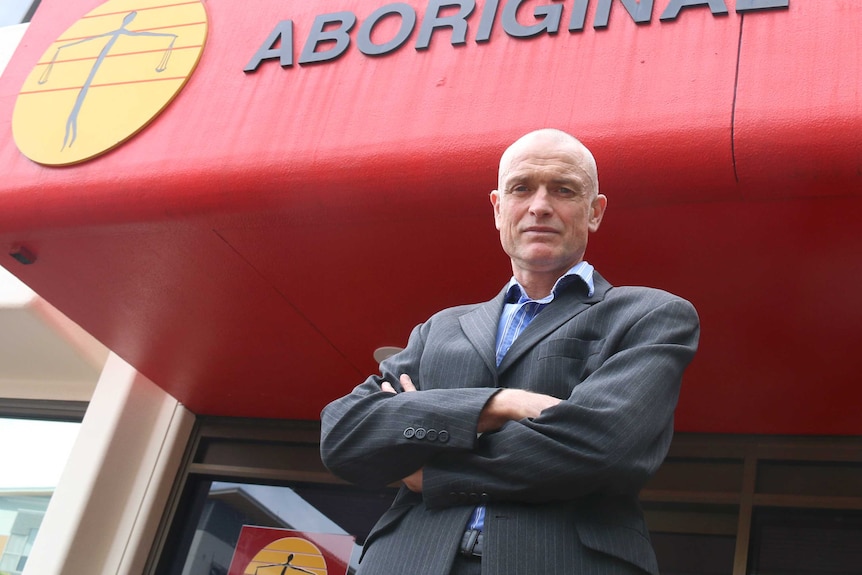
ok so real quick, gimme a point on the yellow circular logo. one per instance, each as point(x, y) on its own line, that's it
point(289, 553)
point(109, 75)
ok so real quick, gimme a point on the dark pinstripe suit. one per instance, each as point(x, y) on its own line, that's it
point(561, 489)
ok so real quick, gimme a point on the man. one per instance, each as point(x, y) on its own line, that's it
point(523, 428)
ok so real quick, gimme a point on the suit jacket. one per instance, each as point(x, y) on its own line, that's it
point(560, 489)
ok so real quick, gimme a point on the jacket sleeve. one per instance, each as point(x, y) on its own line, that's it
point(373, 438)
point(609, 436)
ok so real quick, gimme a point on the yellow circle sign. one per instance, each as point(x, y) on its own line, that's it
point(299, 555)
point(109, 75)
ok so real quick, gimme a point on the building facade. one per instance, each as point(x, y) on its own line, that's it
point(243, 205)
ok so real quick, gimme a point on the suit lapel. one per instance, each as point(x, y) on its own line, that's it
point(480, 327)
point(564, 307)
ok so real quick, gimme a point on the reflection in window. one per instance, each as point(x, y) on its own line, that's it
point(314, 508)
point(32, 456)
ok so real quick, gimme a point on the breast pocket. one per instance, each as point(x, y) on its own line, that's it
point(569, 360)
point(571, 348)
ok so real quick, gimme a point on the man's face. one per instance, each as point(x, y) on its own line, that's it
point(546, 205)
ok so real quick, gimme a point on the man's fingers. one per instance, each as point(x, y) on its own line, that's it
point(413, 482)
point(513, 405)
point(404, 380)
point(406, 383)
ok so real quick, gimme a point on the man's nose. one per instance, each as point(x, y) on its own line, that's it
point(540, 203)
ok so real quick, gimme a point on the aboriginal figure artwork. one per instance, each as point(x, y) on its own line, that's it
point(106, 77)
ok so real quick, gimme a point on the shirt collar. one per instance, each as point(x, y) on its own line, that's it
point(581, 273)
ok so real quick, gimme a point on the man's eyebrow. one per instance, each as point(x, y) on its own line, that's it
point(575, 181)
point(579, 181)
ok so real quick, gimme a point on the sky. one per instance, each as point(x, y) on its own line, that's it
point(33, 453)
point(13, 11)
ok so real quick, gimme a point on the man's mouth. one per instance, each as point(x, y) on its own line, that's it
point(540, 230)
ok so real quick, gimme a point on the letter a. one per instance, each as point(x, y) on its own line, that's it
point(282, 35)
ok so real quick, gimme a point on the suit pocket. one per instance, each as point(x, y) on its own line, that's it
point(565, 362)
point(570, 348)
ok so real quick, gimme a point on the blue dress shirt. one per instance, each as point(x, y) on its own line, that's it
point(518, 311)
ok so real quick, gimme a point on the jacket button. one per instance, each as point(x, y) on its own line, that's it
point(420, 433)
point(443, 436)
point(409, 433)
point(431, 435)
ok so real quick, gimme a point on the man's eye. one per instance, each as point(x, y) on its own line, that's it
point(566, 192)
point(519, 189)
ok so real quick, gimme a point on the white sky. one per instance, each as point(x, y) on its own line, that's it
point(10, 36)
point(33, 453)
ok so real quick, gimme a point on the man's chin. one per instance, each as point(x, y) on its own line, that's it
point(547, 265)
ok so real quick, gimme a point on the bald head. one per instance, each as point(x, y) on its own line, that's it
point(545, 207)
point(563, 142)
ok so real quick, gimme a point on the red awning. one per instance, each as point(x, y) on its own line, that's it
point(251, 247)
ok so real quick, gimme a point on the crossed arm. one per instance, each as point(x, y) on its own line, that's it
point(506, 405)
point(609, 435)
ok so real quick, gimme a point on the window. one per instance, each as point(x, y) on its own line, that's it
point(720, 505)
point(691, 538)
point(309, 507)
point(33, 452)
point(806, 541)
point(266, 474)
point(752, 505)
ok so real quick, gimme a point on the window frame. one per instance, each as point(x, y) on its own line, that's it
point(745, 452)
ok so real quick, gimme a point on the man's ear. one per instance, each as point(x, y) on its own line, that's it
point(597, 211)
point(495, 201)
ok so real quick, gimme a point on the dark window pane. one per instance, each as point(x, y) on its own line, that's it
point(689, 554)
point(806, 542)
point(693, 539)
point(693, 518)
point(679, 474)
point(835, 479)
point(259, 454)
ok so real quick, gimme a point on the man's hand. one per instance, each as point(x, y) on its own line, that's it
point(413, 482)
point(513, 405)
point(404, 380)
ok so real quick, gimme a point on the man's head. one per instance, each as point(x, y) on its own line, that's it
point(546, 204)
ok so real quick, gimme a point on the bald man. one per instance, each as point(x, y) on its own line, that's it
point(523, 428)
